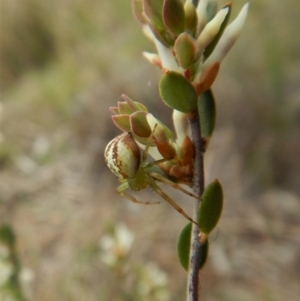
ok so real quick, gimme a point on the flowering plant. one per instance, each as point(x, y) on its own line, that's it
point(191, 39)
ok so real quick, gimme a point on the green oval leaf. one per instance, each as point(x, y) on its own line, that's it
point(184, 245)
point(204, 254)
point(173, 16)
point(207, 113)
point(122, 122)
point(185, 50)
point(210, 207)
point(160, 33)
point(153, 10)
point(177, 92)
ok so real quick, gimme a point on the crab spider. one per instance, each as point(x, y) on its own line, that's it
point(123, 157)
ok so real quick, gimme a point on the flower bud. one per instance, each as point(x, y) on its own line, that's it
point(202, 14)
point(206, 78)
point(153, 58)
point(211, 29)
point(230, 35)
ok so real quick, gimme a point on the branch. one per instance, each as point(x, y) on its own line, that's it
point(198, 188)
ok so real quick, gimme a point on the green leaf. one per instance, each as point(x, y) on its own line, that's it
point(207, 113)
point(153, 10)
point(122, 122)
point(139, 124)
point(210, 207)
point(204, 248)
point(185, 50)
point(209, 49)
point(184, 245)
point(173, 16)
point(177, 92)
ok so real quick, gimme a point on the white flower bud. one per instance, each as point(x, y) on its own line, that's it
point(153, 58)
point(202, 14)
point(230, 35)
point(166, 56)
point(211, 29)
point(180, 125)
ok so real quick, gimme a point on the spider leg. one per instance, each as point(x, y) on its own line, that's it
point(121, 191)
point(155, 187)
point(163, 179)
point(134, 200)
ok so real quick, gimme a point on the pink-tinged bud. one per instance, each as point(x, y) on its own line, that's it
point(124, 108)
point(122, 122)
point(122, 156)
point(181, 167)
point(114, 110)
point(153, 58)
point(173, 169)
point(166, 149)
point(207, 78)
point(230, 35)
point(134, 105)
point(187, 151)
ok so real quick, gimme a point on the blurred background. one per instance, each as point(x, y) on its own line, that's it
point(63, 63)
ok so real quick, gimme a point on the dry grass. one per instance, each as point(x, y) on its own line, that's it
point(63, 63)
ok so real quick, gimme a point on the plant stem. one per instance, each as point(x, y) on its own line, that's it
point(198, 187)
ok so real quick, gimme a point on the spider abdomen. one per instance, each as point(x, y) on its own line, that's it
point(122, 156)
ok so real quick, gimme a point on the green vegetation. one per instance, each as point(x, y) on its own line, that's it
point(62, 63)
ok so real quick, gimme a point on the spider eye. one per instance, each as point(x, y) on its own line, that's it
point(122, 156)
